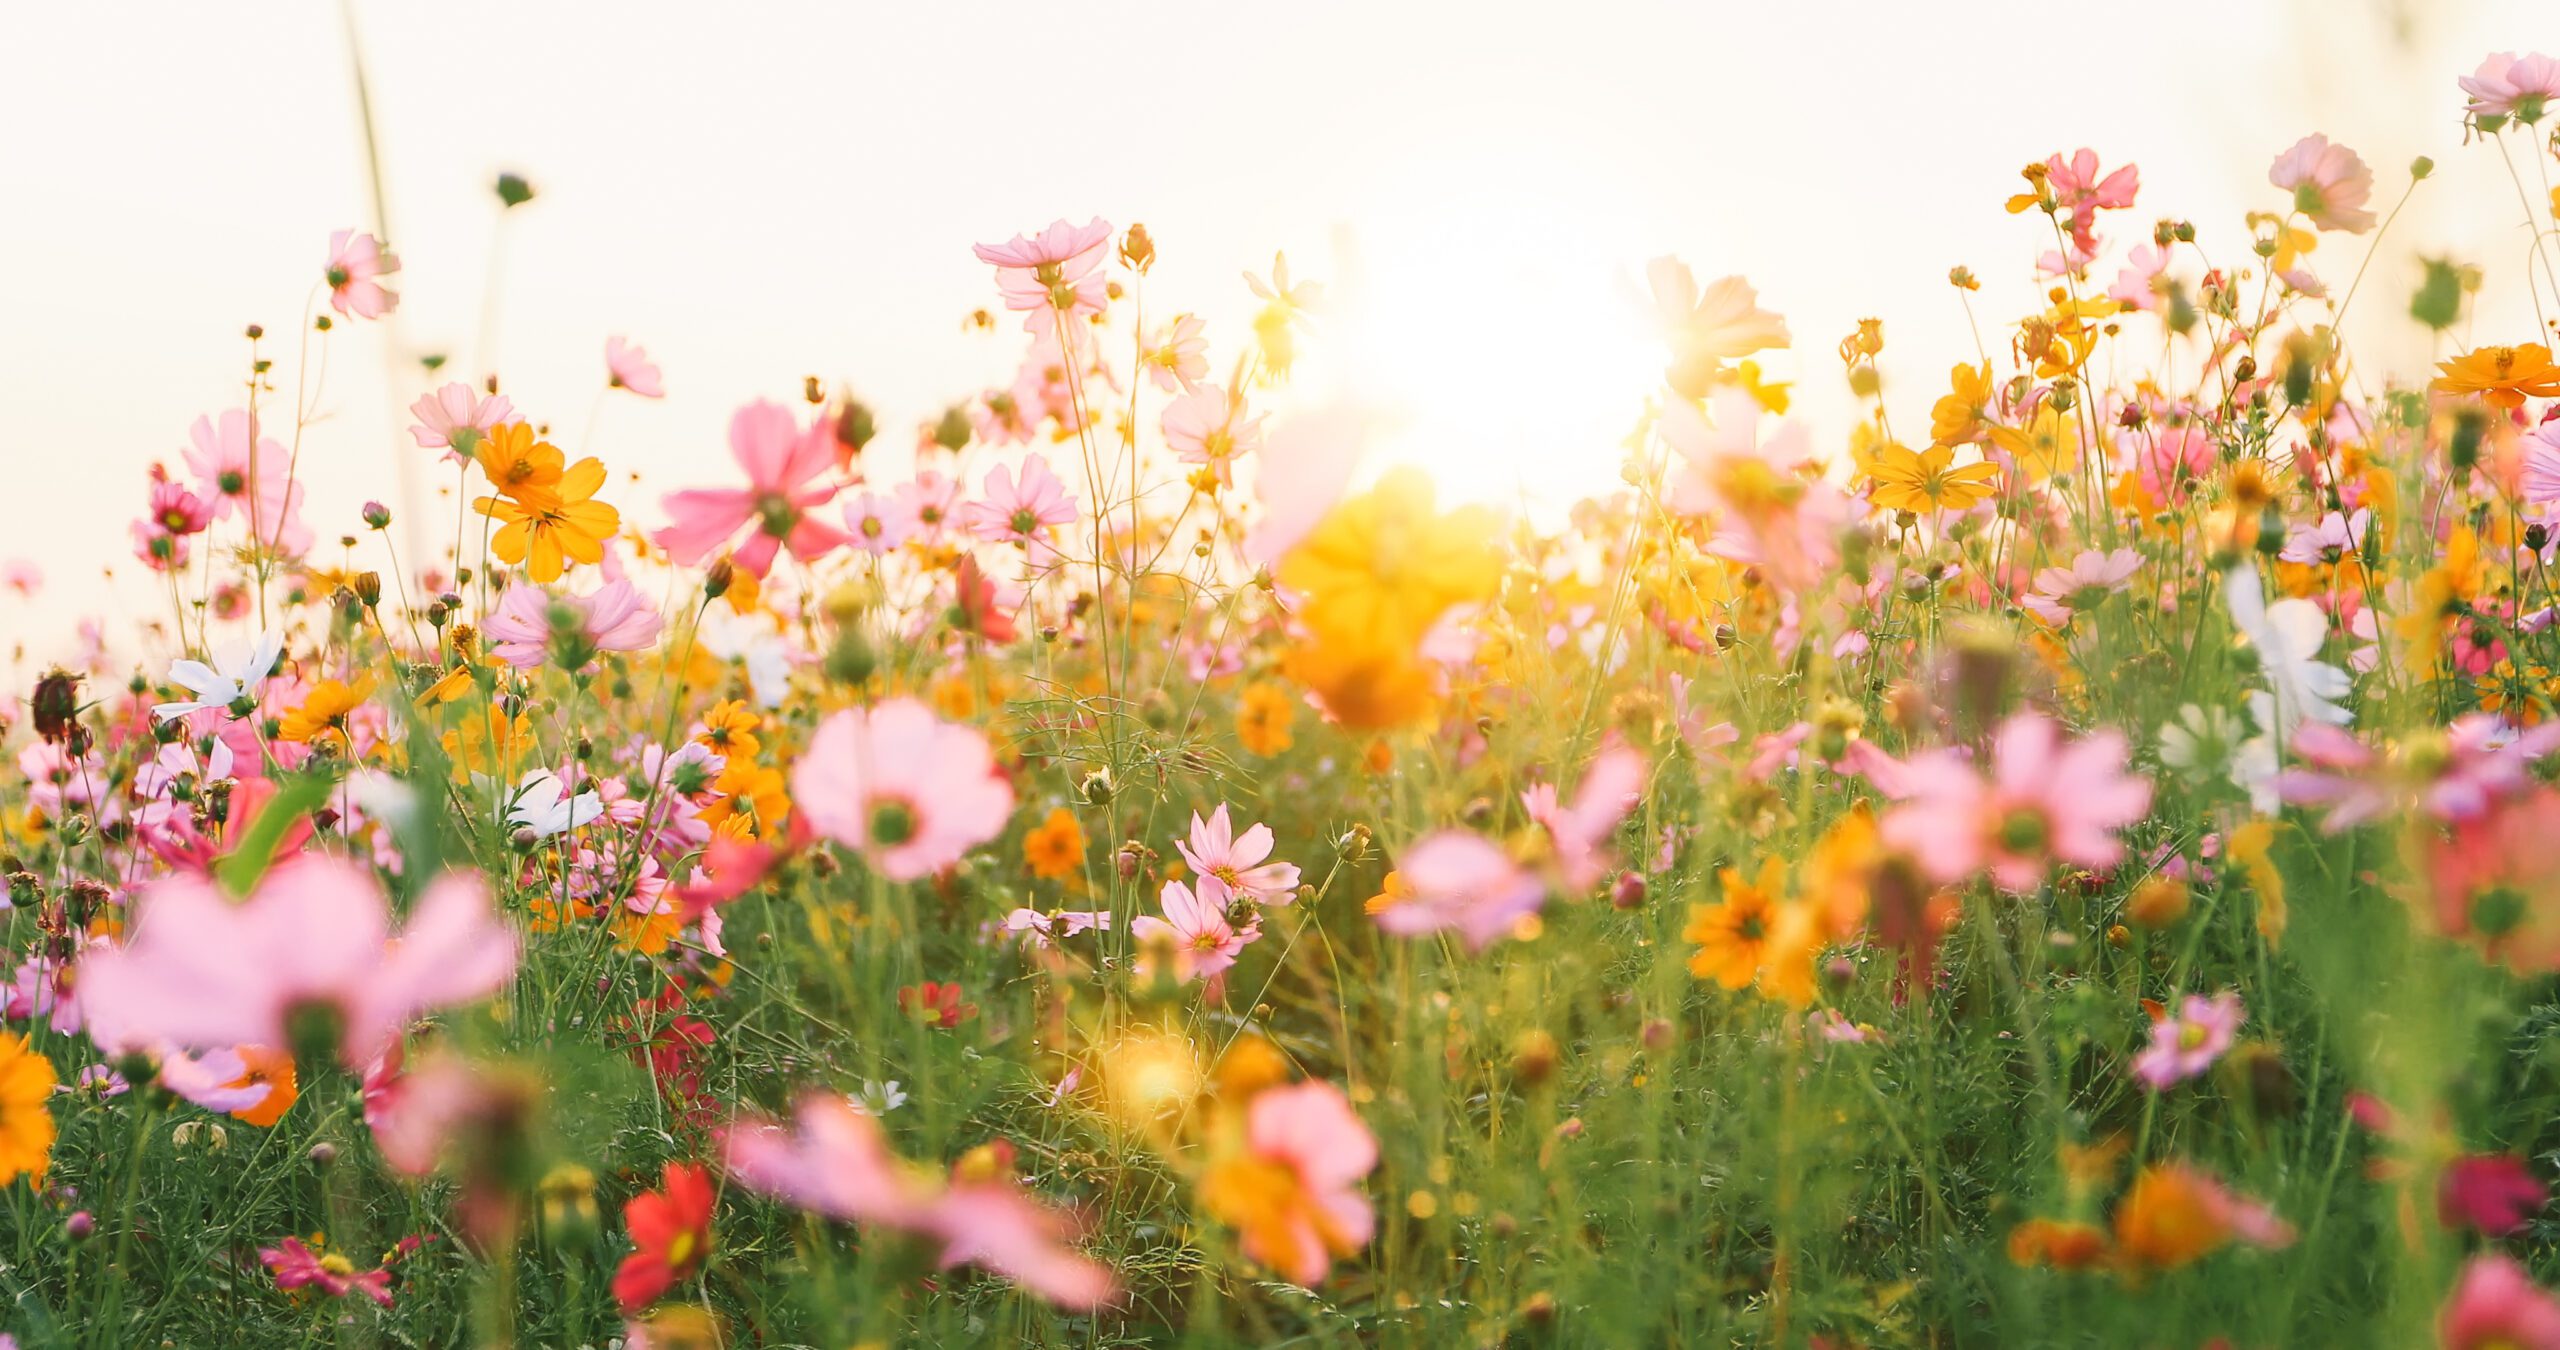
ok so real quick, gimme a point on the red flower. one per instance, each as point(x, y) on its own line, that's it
point(935, 1005)
point(671, 1229)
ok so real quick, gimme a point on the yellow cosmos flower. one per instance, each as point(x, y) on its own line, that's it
point(551, 530)
point(1756, 936)
point(1387, 564)
point(325, 709)
point(518, 465)
point(1964, 414)
point(1924, 481)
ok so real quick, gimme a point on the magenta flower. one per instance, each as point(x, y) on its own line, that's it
point(1060, 271)
point(2329, 183)
point(296, 1266)
point(1021, 509)
point(1195, 926)
point(2046, 801)
point(836, 1163)
point(781, 459)
point(2495, 1193)
point(2510, 86)
point(1454, 879)
point(908, 791)
point(627, 366)
point(616, 618)
point(2185, 1044)
point(204, 973)
point(456, 419)
point(1577, 833)
point(2496, 1306)
point(357, 263)
point(1216, 850)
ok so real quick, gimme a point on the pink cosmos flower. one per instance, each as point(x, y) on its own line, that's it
point(931, 500)
point(1041, 929)
point(2494, 1193)
point(357, 262)
point(2510, 86)
point(2329, 183)
point(1578, 834)
point(782, 459)
point(2139, 284)
point(2541, 476)
point(415, 1114)
point(2335, 537)
point(907, 790)
point(296, 1266)
point(2045, 802)
point(1216, 850)
point(1180, 357)
point(615, 618)
point(204, 973)
point(23, 576)
point(1458, 880)
point(836, 1163)
point(217, 1080)
point(2485, 762)
point(1208, 426)
point(2077, 185)
point(456, 418)
point(627, 366)
point(1310, 1129)
point(2189, 1042)
point(1021, 509)
point(1060, 271)
point(1195, 926)
point(2093, 576)
point(2496, 1306)
point(877, 524)
point(250, 476)
point(1707, 327)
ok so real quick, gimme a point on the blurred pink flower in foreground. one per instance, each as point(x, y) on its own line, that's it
point(357, 262)
point(782, 459)
point(1454, 879)
point(1310, 1130)
point(2496, 1306)
point(202, 972)
point(1578, 832)
point(627, 366)
point(836, 1163)
point(907, 790)
point(2046, 801)
point(2329, 183)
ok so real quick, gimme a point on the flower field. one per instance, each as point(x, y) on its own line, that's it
point(2076, 863)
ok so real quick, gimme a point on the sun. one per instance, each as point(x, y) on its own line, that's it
point(1502, 351)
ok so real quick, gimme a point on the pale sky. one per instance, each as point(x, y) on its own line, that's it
point(762, 192)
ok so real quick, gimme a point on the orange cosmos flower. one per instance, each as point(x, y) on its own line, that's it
point(2504, 376)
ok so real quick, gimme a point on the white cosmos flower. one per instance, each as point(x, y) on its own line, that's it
point(2288, 635)
point(236, 673)
point(542, 805)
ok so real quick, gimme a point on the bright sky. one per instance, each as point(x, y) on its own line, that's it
point(762, 192)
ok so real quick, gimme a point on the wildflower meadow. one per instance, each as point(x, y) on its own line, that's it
point(2074, 863)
